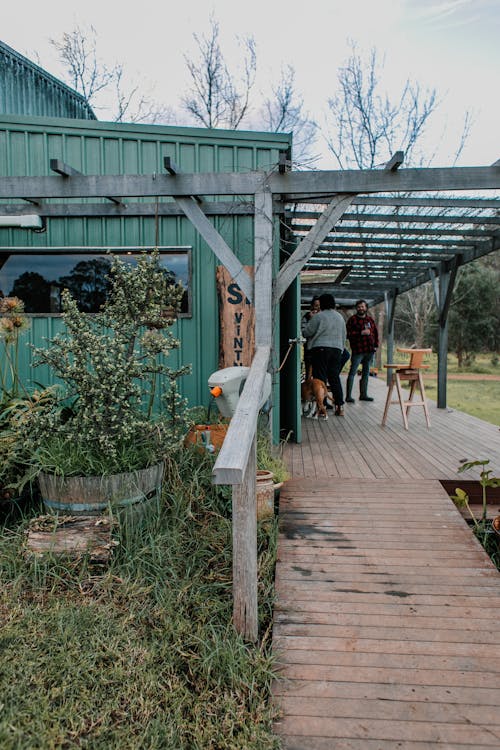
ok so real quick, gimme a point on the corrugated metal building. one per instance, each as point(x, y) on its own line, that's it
point(26, 89)
point(26, 147)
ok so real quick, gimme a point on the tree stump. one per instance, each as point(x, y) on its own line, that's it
point(72, 536)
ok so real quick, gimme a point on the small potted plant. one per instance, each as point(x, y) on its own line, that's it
point(272, 472)
point(103, 442)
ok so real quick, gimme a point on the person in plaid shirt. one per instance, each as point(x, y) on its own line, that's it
point(363, 338)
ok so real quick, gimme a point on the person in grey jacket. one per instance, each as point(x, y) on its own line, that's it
point(326, 332)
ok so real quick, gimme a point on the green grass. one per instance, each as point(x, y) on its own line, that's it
point(479, 398)
point(141, 654)
point(482, 365)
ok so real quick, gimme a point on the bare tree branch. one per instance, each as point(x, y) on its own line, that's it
point(218, 98)
point(365, 125)
point(92, 78)
point(78, 53)
point(284, 112)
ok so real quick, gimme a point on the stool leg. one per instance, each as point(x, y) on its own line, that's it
point(424, 400)
point(401, 401)
point(388, 401)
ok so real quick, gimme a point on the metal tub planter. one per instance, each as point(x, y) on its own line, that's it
point(91, 495)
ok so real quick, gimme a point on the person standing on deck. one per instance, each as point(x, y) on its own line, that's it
point(363, 339)
point(314, 308)
point(327, 333)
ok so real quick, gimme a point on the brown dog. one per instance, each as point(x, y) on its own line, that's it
point(313, 394)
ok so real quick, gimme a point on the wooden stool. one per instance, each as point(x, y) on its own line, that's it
point(412, 372)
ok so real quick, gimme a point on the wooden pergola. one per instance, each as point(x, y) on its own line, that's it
point(385, 231)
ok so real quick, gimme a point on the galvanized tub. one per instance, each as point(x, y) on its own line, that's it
point(96, 494)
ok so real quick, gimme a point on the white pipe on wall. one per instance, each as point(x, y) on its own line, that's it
point(23, 221)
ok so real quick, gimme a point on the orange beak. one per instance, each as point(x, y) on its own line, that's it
point(216, 391)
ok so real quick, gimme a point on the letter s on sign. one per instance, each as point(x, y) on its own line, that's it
point(236, 293)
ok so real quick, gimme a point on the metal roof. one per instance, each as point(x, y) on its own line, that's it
point(27, 89)
point(386, 244)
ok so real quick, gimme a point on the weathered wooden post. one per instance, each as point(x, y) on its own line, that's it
point(245, 605)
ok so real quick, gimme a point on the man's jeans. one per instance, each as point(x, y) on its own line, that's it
point(365, 360)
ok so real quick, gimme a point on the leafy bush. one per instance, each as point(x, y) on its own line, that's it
point(110, 365)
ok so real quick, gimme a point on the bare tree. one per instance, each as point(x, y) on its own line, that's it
point(134, 105)
point(78, 53)
point(283, 112)
point(365, 126)
point(413, 315)
point(219, 97)
point(96, 81)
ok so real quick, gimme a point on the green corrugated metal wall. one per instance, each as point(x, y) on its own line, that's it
point(28, 144)
point(26, 89)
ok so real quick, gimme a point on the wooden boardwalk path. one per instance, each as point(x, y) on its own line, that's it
point(387, 610)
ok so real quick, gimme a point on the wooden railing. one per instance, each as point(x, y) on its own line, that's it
point(236, 465)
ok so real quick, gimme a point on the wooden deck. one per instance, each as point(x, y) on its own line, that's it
point(387, 610)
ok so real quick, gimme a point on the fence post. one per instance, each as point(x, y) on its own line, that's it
point(245, 551)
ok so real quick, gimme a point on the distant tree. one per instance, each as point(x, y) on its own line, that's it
point(89, 283)
point(414, 313)
point(474, 317)
point(365, 126)
point(88, 74)
point(219, 97)
point(78, 53)
point(283, 112)
point(34, 290)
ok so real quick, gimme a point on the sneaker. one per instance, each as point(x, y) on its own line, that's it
point(365, 398)
point(349, 400)
point(339, 411)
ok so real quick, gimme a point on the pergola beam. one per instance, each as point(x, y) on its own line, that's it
point(362, 230)
point(395, 161)
point(396, 218)
point(237, 183)
point(310, 243)
point(65, 170)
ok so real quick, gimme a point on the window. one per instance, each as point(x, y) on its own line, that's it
point(39, 277)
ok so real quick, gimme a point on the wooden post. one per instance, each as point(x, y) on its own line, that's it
point(263, 255)
point(390, 306)
point(447, 276)
point(245, 552)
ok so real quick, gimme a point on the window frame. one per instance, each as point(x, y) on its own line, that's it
point(102, 250)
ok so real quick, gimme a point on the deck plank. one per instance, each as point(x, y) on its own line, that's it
point(386, 605)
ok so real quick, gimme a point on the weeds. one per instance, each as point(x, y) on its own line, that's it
point(482, 528)
point(141, 654)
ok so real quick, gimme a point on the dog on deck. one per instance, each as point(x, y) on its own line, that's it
point(314, 395)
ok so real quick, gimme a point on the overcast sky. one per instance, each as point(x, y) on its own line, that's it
point(450, 45)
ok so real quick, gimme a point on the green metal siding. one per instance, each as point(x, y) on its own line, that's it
point(26, 89)
point(28, 144)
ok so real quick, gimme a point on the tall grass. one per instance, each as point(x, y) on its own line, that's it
point(141, 654)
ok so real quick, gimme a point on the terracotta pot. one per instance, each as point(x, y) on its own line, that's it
point(206, 436)
point(265, 494)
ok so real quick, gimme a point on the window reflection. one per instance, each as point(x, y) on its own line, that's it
point(39, 279)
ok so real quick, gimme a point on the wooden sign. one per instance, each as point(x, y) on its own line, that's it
point(236, 320)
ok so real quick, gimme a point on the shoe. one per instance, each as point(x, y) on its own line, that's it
point(339, 411)
point(349, 400)
point(365, 398)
